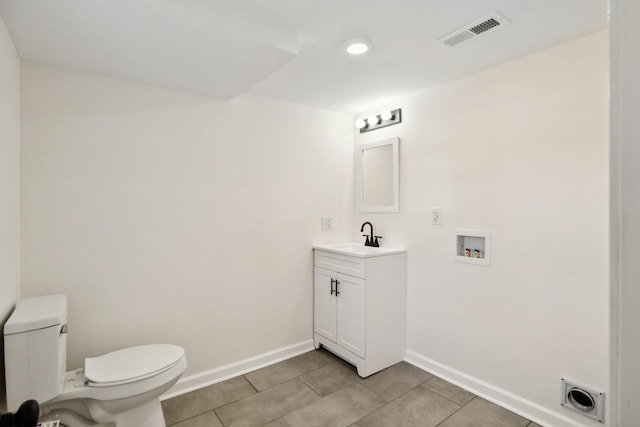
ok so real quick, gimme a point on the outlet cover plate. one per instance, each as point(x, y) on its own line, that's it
point(436, 216)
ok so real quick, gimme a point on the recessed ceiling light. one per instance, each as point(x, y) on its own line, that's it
point(357, 46)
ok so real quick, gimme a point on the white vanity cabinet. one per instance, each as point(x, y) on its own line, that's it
point(360, 302)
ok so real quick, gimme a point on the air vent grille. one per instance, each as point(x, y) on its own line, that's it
point(485, 26)
point(458, 38)
point(473, 30)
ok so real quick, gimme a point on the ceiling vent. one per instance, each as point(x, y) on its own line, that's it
point(474, 30)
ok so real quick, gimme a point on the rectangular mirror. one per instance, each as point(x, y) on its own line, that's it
point(379, 175)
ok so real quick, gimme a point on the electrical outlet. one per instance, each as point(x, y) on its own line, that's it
point(327, 223)
point(436, 216)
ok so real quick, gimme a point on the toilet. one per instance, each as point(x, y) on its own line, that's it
point(121, 388)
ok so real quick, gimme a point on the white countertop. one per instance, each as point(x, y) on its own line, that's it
point(359, 250)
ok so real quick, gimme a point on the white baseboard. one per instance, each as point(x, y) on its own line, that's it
point(204, 379)
point(521, 406)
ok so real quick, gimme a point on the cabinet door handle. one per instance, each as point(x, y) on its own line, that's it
point(337, 291)
point(334, 282)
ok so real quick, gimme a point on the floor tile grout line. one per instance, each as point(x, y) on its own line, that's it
point(313, 370)
point(292, 378)
point(283, 420)
point(218, 418)
point(336, 391)
point(319, 394)
point(260, 392)
point(376, 409)
point(250, 383)
point(312, 389)
point(217, 407)
point(310, 386)
point(456, 411)
point(393, 400)
point(191, 417)
point(194, 416)
point(320, 398)
point(445, 397)
point(460, 408)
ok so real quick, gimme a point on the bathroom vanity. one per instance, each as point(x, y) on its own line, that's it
point(360, 298)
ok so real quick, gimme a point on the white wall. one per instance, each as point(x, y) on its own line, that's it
point(520, 150)
point(167, 217)
point(9, 182)
point(9, 174)
point(625, 210)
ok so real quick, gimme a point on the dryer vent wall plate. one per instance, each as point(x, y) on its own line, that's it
point(583, 400)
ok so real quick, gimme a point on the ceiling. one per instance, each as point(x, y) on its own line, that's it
point(289, 49)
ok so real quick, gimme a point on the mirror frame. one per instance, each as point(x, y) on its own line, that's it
point(395, 206)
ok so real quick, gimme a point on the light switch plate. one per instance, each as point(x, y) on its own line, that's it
point(327, 223)
point(436, 216)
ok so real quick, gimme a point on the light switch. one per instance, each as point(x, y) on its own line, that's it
point(436, 216)
point(327, 223)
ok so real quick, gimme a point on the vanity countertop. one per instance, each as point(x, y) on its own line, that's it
point(359, 250)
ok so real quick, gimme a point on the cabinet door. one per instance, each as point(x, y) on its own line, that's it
point(324, 303)
point(351, 314)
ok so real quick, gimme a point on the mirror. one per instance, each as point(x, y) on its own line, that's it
point(379, 176)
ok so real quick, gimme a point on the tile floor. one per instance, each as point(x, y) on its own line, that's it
point(317, 389)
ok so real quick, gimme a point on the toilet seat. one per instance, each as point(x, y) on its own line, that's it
point(131, 364)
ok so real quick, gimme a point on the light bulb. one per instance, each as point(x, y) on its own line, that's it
point(373, 120)
point(357, 46)
point(360, 123)
point(386, 115)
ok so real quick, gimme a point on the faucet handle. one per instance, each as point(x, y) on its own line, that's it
point(375, 241)
point(367, 242)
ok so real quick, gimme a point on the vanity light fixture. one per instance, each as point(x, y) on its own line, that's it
point(377, 121)
point(357, 46)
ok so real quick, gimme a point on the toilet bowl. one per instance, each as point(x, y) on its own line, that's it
point(121, 388)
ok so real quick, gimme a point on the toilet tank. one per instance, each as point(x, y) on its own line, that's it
point(35, 349)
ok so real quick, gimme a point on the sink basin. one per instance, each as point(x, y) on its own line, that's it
point(358, 249)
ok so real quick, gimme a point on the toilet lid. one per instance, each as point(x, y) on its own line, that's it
point(131, 364)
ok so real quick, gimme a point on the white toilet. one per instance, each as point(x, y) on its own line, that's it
point(121, 388)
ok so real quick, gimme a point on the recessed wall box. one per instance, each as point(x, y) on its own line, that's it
point(472, 246)
point(583, 400)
